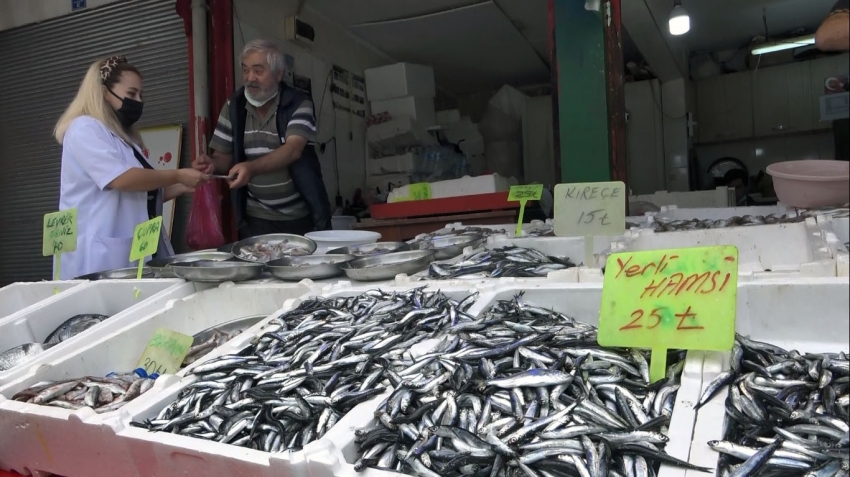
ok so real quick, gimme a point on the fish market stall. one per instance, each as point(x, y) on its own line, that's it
point(75, 428)
point(55, 327)
point(17, 296)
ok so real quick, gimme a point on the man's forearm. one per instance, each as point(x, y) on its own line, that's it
point(834, 33)
point(221, 162)
point(279, 159)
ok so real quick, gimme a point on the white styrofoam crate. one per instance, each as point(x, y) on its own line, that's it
point(21, 446)
point(722, 213)
point(804, 314)
point(719, 197)
point(419, 108)
point(335, 455)
point(837, 234)
point(763, 250)
point(400, 164)
point(17, 296)
point(399, 80)
point(114, 298)
point(486, 184)
point(157, 453)
point(572, 248)
point(399, 132)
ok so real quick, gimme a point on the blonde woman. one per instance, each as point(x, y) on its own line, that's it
point(104, 174)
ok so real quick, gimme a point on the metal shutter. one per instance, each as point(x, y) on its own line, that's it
point(41, 67)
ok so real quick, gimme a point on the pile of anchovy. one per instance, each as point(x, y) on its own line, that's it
point(101, 394)
point(523, 391)
point(501, 262)
point(661, 224)
point(787, 413)
point(307, 370)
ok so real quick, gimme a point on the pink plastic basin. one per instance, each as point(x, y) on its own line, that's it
point(811, 183)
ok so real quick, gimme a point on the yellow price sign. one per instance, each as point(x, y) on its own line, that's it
point(146, 239)
point(590, 209)
point(59, 236)
point(524, 193)
point(670, 299)
point(165, 352)
point(418, 191)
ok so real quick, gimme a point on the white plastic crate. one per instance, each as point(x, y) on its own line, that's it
point(763, 250)
point(719, 197)
point(113, 298)
point(335, 455)
point(157, 453)
point(837, 234)
point(805, 314)
point(21, 447)
point(17, 296)
point(401, 164)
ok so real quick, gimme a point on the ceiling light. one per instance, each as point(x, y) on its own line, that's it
point(680, 21)
point(784, 44)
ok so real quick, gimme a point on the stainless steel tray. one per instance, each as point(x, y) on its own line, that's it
point(314, 267)
point(371, 249)
point(387, 266)
point(162, 266)
point(239, 248)
point(448, 247)
point(208, 271)
point(119, 274)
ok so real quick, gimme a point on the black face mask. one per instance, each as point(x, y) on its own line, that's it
point(130, 111)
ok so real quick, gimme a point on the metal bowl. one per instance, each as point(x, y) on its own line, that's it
point(119, 274)
point(208, 271)
point(371, 249)
point(240, 247)
point(162, 266)
point(314, 267)
point(388, 265)
point(226, 248)
point(449, 247)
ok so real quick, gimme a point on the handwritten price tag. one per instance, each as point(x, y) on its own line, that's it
point(145, 239)
point(60, 232)
point(590, 208)
point(670, 299)
point(525, 192)
point(418, 191)
point(165, 352)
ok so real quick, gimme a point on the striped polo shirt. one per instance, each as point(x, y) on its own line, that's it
point(270, 196)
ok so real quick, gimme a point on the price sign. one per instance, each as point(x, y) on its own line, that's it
point(419, 191)
point(145, 239)
point(165, 352)
point(589, 209)
point(522, 194)
point(59, 236)
point(670, 299)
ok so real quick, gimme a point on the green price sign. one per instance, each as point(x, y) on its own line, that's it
point(670, 299)
point(522, 194)
point(146, 239)
point(60, 232)
point(165, 352)
point(418, 191)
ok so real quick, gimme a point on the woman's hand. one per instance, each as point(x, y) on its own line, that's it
point(191, 177)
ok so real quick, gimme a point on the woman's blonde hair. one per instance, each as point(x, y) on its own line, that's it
point(90, 101)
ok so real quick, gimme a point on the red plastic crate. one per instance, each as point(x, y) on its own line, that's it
point(446, 205)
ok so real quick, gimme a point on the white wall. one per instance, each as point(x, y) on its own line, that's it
point(645, 137)
point(15, 13)
point(677, 100)
point(332, 45)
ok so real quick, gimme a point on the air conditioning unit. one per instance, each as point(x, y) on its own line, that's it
point(298, 31)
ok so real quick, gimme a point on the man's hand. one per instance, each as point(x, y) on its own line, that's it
point(240, 175)
point(203, 163)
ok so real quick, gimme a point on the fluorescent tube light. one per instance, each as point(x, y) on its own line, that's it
point(788, 44)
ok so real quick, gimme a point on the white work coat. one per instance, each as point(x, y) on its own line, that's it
point(92, 157)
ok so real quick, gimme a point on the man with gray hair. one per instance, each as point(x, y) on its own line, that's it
point(264, 141)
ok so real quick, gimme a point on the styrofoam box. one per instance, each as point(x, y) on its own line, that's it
point(113, 298)
point(158, 453)
point(71, 432)
point(837, 233)
point(572, 248)
point(17, 296)
point(403, 163)
point(763, 250)
point(399, 80)
point(720, 197)
point(805, 314)
point(398, 133)
point(464, 186)
point(722, 213)
point(419, 108)
point(335, 455)
point(384, 181)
